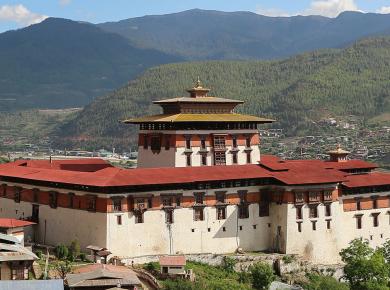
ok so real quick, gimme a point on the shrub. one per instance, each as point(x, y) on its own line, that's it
point(287, 259)
point(262, 275)
point(152, 267)
point(321, 282)
point(228, 264)
point(74, 249)
point(83, 257)
point(38, 253)
point(61, 251)
point(178, 285)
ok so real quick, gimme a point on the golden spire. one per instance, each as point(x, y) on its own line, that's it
point(198, 90)
point(198, 84)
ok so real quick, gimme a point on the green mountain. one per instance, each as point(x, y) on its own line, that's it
point(62, 63)
point(215, 35)
point(297, 91)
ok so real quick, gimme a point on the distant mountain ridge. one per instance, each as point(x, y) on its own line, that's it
point(63, 63)
point(297, 92)
point(206, 35)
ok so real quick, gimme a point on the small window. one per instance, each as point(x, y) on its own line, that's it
point(359, 222)
point(119, 220)
point(234, 141)
point(220, 158)
point(188, 143)
point(199, 196)
point(91, 202)
point(53, 199)
point(248, 157)
point(358, 205)
point(243, 211)
point(17, 194)
point(208, 229)
point(117, 204)
point(178, 200)
point(219, 142)
point(188, 159)
point(328, 224)
point(248, 142)
point(4, 189)
point(313, 212)
point(203, 144)
point(299, 212)
point(204, 159)
point(234, 158)
point(224, 229)
point(314, 225)
point(240, 228)
point(35, 195)
point(139, 217)
point(220, 197)
point(299, 227)
point(198, 214)
point(169, 216)
point(71, 200)
point(167, 142)
point(254, 226)
point(221, 213)
point(155, 143)
point(328, 209)
point(167, 200)
point(264, 208)
point(193, 230)
point(375, 220)
point(375, 203)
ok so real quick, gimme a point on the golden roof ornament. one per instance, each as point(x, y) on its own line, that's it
point(198, 90)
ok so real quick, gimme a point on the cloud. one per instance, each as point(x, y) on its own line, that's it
point(384, 10)
point(65, 2)
point(20, 14)
point(273, 12)
point(330, 8)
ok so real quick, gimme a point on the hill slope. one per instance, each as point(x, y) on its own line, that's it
point(296, 91)
point(206, 35)
point(62, 63)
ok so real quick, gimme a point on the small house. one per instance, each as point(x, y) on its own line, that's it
point(173, 265)
point(14, 227)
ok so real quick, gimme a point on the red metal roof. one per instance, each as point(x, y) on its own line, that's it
point(290, 172)
point(83, 165)
point(14, 223)
point(172, 260)
point(370, 179)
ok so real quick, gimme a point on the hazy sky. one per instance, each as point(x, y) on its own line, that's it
point(20, 13)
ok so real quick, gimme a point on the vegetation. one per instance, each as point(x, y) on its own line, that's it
point(323, 282)
point(61, 251)
point(297, 92)
point(262, 276)
point(366, 268)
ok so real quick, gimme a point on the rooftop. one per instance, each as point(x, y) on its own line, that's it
point(14, 223)
point(172, 260)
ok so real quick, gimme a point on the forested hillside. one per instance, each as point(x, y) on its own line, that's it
point(296, 92)
point(62, 63)
point(215, 35)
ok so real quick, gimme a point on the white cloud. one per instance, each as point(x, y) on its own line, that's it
point(330, 8)
point(384, 10)
point(65, 2)
point(20, 14)
point(273, 12)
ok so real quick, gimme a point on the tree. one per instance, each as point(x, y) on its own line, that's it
point(62, 268)
point(74, 249)
point(262, 275)
point(365, 268)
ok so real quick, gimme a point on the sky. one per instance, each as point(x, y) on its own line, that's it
point(20, 13)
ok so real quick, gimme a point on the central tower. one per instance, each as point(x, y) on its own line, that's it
point(198, 130)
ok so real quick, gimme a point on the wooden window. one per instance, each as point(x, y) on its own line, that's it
point(199, 196)
point(314, 225)
point(71, 199)
point(178, 200)
point(358, 205)
point(327, 195)
point(188, 159)
point(146, 142)
point(140, 204)
point(203, 144)
point(91, 202)
point(358, 221)
point(17, 194)
point(299, 197)
point(119, 220)
point(243, 210)
point(4, 189)
point(328, 209)
point(221, 213)
point(264, 208)
point(169, 216)
point(220, 197)
point(299, 226)
point(219, 142)
point(314, 197)
point(155, 143)
point(204, 159)
point(248, 157)
point(375, 219)
point(220, 158)
point(313, 212)
point(198, 214)
point(53, 199)
point(117, 203)
point(167, 200)
point(299, 212)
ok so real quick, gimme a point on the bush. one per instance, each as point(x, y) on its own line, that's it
point(83, 257)
point(287, 259)
point(321, 282)
point(178, 285)
point(152, 267)
point(61, 251)
point(262, 276)
point(38, 253)
point(228, 264)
